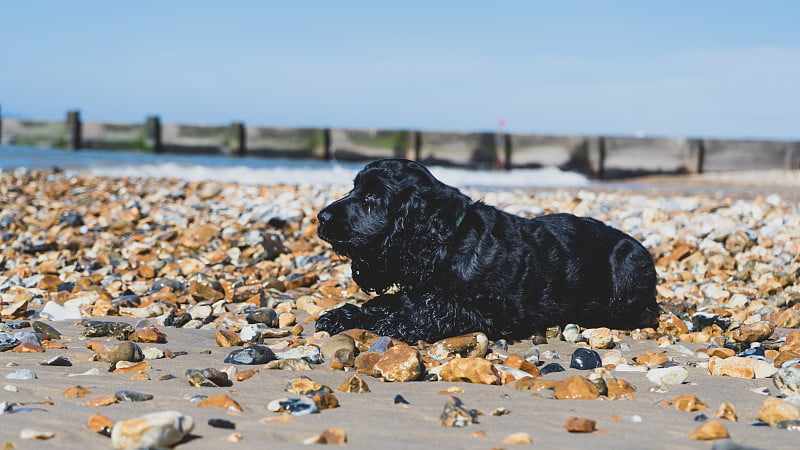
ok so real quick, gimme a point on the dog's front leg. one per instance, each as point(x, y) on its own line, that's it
point(430, 320)
point(348, 316)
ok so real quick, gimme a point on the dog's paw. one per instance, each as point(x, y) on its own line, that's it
point(343, 318)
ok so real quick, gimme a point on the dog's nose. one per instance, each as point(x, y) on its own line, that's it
point(324, 216)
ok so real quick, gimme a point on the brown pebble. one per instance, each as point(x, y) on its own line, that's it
point(76, 392)
point(227, 339)
point(139, 376)
point(471, 370)
point(727, 412)
point(365, 363)
point(652, 359)
point(579, 425)
point(518, 362)
point(325, 400)
point(774, 410)
point(27, 347)
point(222, 401)
point(688, 403)
point(105, 400)
point(354, 384)
point(518, 439)
point(136, 367)
point(708, 431)
point(399, 363)
point(331, 436)
point(576, 388)
point(242, 375)
point(99, 423)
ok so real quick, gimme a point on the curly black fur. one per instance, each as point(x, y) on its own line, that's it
point(463, 266)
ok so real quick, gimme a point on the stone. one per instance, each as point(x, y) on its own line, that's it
point(472, 345)
point(710, 430)
point(28, 433)
point(343, 357)
point(100, 424)
point(27, 347)
point(296, 406)
point(159, 429)
point(251, 334)
point(289, 364)
point(774, 410)
point(688, 403)
point(520, 438)
point(576, 388)
point(470, 370)
point(221, 423)
point(148, 335)
point(227, 339)
point(787, 380)
point(252, 355)
point(22, 374)
point(667, 375)
point(585, 359)
point(325, 400)
point(518, 362)
point(132, 396)
point(613, 358)
point(129, 367)
point(337, 342)
point(652, 359)
point(740, 367)
point(572, 333)
point(552, 368)
point(400, 363)
point(7, 342)
point(601, 338)
point(726, 411)
point(46, 330)
point(310, 353)
point(721, 352)
point(124, 351)
point(784, 356)
point(209, 377)
point(331, 436)
point(305, 386)
point(456, 414)
point(222, 401)
point(580, 425)
point(354, 384)
point(752, 332)
point(75, 392)
point(105, 400)
point(671, 325)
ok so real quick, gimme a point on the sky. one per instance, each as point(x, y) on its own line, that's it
point(670, 68)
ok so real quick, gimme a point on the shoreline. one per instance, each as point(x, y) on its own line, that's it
point(732, 254)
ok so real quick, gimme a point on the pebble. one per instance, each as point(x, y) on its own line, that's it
point(310, 353)
point(124, 351)
point(774, 410)
point(61, 361)
point(787, 380)
point(354, 384)
point(709, 430)
point(207, 378)
point(726, 411)
point(572, 333)
point(22, 374)
point(254, 354)
point(132, 396)
point(576, 388)
point(28, 433)
point(471, 370)
point(580, 425)
point(338, 342)
point(221, 423)
point(400, 363)
point(46, 330)
point(602, 338)
point(666, 376)
point(552, 368)
point(585, 359)
point(472, 345)
point(520, 438)
point(156, 430)
point(296, 406)
point(456, 414)
point(331, 436)
point(739, 367)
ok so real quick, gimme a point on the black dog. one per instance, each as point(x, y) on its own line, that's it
point(463, 266)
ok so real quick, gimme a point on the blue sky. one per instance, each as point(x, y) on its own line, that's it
point(698, 68)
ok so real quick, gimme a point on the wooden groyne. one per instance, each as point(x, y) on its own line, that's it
point(596, 156)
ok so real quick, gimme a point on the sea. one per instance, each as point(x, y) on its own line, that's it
point(257, 170)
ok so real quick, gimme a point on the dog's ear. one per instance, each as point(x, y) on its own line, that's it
point(433, 214)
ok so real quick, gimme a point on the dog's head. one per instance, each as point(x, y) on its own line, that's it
point(396, 214)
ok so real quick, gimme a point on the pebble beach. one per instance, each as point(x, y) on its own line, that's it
point(158, 312)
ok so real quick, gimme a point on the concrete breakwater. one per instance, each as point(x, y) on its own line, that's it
point(595, 156)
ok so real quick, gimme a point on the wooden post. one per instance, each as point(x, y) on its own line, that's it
point(236, 135)
point(152, 134)
point(322, 147)
point(697, 153)
point(596, 155)
point(414, 145)
point(73, 130)
point(1, 125)
point(502, 151)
